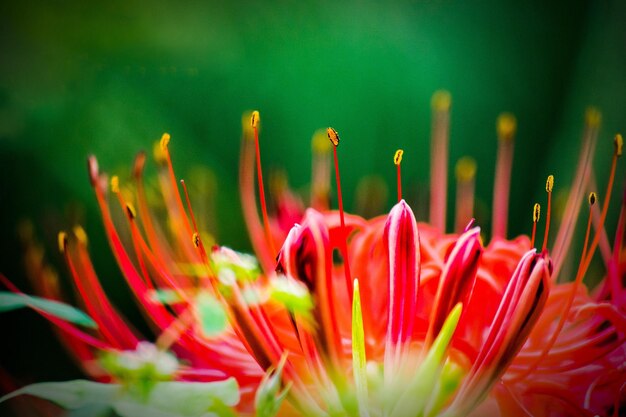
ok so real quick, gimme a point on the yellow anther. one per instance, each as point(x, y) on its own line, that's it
point(397, 158)
point(465, 169)
point(130, 209)
point(62, 240)
point(549, 183)
point(618, 141)
point(80, 234)
point(115, 184)
point(593, 197)
point(159, 153)
point(195, 239)
point(506, 126)
point(255, 119)
point(536, 212)
point(165, 140)
point(593, 117)
point(441, 100)
point(319, 143)
point(246, 128)
point(333, 136)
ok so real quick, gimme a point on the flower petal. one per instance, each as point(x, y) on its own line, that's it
point(457, 279)
point(521, 306)
point(402, 241)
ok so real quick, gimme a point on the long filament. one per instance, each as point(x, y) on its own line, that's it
point(259, 171)
point(334, 138)
point(397, 160)
point(506, 126)
point(465, 171)
point(566, 230)
point(549, 187)
point(570, 300)
point(440, 103)
point(536, 213)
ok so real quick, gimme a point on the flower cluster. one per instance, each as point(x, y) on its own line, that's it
point(347, 316)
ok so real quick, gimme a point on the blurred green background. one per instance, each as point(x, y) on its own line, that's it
point(109, 78)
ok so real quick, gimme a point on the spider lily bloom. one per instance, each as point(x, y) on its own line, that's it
point(348, 316)
point(492, 329)
point(167, 269)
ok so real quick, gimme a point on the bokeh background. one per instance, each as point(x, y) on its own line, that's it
point(109, 78)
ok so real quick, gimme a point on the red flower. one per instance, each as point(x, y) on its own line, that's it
point(350, 316)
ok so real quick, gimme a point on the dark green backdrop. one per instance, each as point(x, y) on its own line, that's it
point(108, 78)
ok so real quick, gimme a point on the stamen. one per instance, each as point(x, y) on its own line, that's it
point(115, 189)
point(618, 142)
point(165, 140)
point(506, 127)
point(197, 242)
point(604, 245)
point(397, 160)
point(536, 214)
point(159, 315)
point(138, 283)
point(247, 192)
point(188, 201)
point(549, 187)
point(115, 184)
point(465, 183)
point(159, 246)
point(440, 104)
point(130, 210)
point(577, 281)
point(111, 325)
point(334, 139)
point(80, 234)
point(62, 240)
point(255, 120)
point(333, 136)
point(565, 234)
point(320, 167)
point(179, 223)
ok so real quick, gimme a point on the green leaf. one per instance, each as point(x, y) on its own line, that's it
point(91, 410)
point(358, 352)
point(415, 399)
point(166, 399)
point(449, 380)
point(211, 313)
point(182, 399)
point(70, 394)
point(129, 407)
point(268, 399)
point(12, 301)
